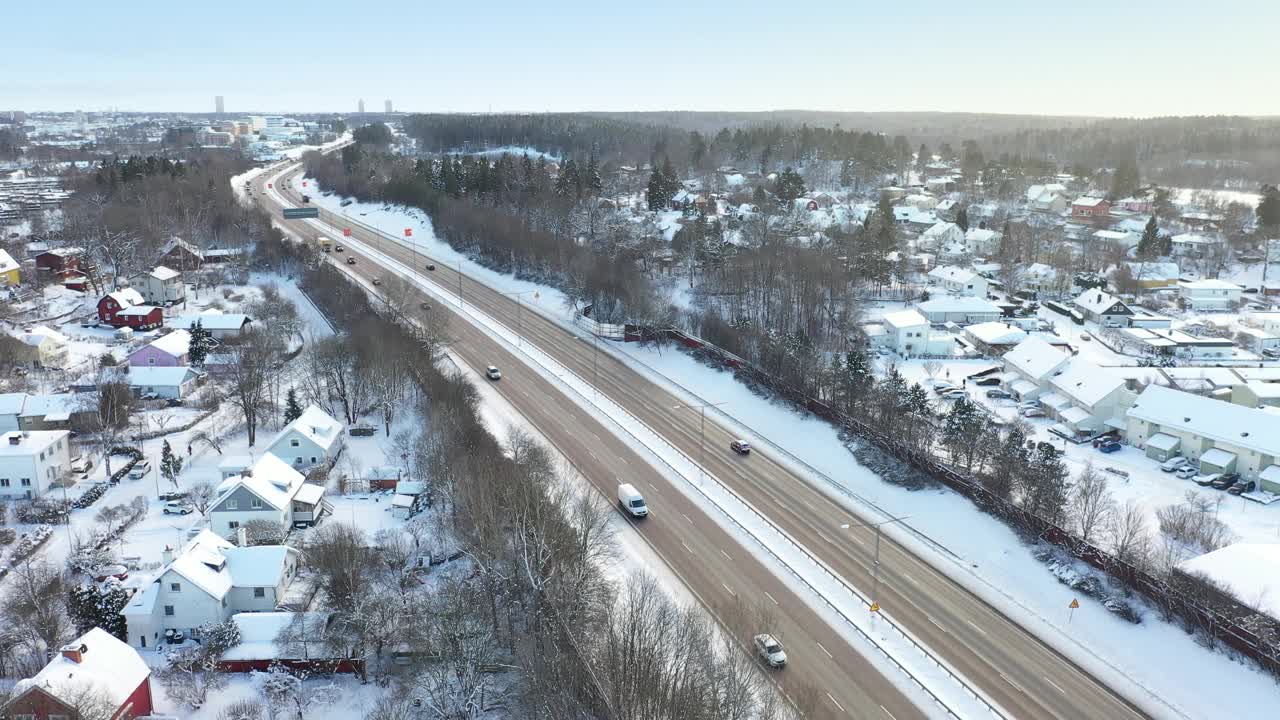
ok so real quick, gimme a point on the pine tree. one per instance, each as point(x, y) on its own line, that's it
point(923, 158)
point(1124, 182)
point(962, 219)
point(1269, 208)
point(292, 408)
point(846, 173)
point(92, 606)
point(170, 464)
point(200, 344)
point(790, 186)
point(657, 191)
point(568, 183)
point(593, 183)
point(1150, 245)
point(670, 180)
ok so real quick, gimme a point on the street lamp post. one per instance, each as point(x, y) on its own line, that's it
point(875, 567)
point(595, 372)
point(519, 296)
point(702, 430)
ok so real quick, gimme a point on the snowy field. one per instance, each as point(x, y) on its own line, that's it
point(1160, 659)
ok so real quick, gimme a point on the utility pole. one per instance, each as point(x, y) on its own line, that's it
point(519, 296)
point(595, 371)
point(875, 587)
point(702, 431)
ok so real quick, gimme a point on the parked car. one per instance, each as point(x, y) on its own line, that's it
point(493, 373)
point(351, 261)
point(943, 387)
point(1226, 481)
point(1173, 464)
point(173, 495)
point(1243, 487)
point(424, 305)
point(139, 470)
point(632, 501)
point(89, 323)
point(1187, 471)
point(1105, 438)
point(742, 447)
point(1085, 337)
point(81, 465)
point(999, 394)
point(1109, 448)
point(955, 394)
point(1032, 413)
point(987, 381)
point(1206, 480)
point(175, 507)
point(770, 650)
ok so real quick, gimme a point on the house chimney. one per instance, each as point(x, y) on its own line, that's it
point(74, 653)
point(242, 537)
point(166, 555)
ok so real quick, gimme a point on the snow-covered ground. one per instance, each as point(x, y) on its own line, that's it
point(1160, 660)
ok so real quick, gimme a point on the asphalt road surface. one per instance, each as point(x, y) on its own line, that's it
point(1012, 667)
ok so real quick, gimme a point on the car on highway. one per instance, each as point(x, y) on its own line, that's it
point(1242, 487)
point(174, 507)
point(377, 281)
point(493, 373)
point(431, 266)
point(742, 447)
point(632, 501)
point(339, 248)
point(351, 261)
point(424, 305)
point(1173, 464)
point(1225, 481)
point(1186, 472)
point(1207, 480)
point(770, 650)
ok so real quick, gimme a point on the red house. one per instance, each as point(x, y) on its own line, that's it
point(125, 308)
point(1090, 207)
point(60, 260)
point(95, 671)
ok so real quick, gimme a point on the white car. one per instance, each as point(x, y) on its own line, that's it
point(632, 501)
point(1032, 413)
point(139, 470)
point(1186, 472)
point(1173, 464)
point(770, 650)
point(493, 373)
point(177, 508)
point(943, 387)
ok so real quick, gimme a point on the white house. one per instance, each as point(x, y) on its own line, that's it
point(31, 461)
point(960, 310)
point(207, 582)
point(270, 491)
point(995, 338)
point(1166, 341)
point(959, 281)
point(1223, 436)
point(1258, 340)
point(1049, 198)
point(1039, 278)
point(940, 234)
point(1122, 238)
point(160, 286)
point(220, 325)
point(908, 333)
point(312, 438)
point(982, 241)
point(1096, 398)
point(1210, 294)
point(1103, 308)
point(1029, 365)
point(50, 346)
point(162, 382)
point(1194, 244)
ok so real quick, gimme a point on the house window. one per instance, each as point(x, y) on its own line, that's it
point(151, 361)
point(233, 525)
point(233, 504)
point(168, 610)
point(293, 442)
point(256, 504)
point(26, 482)
point(313, 459)
point(175, 587)
point(4, 482)
point(259, 592)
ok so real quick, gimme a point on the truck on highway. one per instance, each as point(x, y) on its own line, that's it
point(326, 245)
point(631, 501)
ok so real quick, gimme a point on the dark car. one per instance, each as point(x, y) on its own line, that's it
point(1104, 439)
point(1243, 487)
point(339, 248)
point(985, 382)
point(351, 261)
point(1225, 481)
point(1109, 448)
point(306, 198)
point(377, 281)
point(431, 266)
point(999, 394)
point(742, 447)
point(424, 305)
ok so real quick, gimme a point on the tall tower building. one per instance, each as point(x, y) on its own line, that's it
point(360, 106)
point(218, 105)
point(388, 107)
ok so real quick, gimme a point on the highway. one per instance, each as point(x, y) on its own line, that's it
point(1011, 666)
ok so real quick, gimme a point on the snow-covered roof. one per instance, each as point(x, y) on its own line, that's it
point(1040, 271)
point(951, 273)
point(310, 493)
point(1088, 201)
point(1055, 401)
point(12, 403)
point(7, 262)
point(55, 404)
point(211, 321)
point(270, 478)
point(980, 235)
point(402, 501)
point(258, 565)
point(1217, 456)
point(1086, 383)
point(1163, 442)
point(215, 565)
point(1264, 390)
point(411, 487)
point(30, 442)
point(175, 343)
point(1210, 284)
point(996, 333)
point(177, 242)
point(939, 229)
point(1112, 235)
point(107, 666)
point(258, 632)
point(958, 304)
point(1075, 415)
point(39, 334)
point(1219, 421)
point(905, 318)
point(1155, 270)
point(159, 376)
point(162, 273)
point(1192, 239)
point(315, 425)
point(236, 462)
point(126, 297)
point(1097, 301)
point(1250, 571)
point(1022, 387)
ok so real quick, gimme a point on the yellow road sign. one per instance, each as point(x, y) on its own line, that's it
point(875, 607)
point(1075, 604)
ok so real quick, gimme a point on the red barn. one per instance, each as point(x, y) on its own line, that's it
point(96, 670)
point(1090, 207)
point(125, 308)
point(60, 260)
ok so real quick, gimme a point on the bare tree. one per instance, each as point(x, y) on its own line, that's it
point(33, 603)
point(255, 362)
point(201, 496)
point(931, 368)
point(1127, 531)
point(1091, 502)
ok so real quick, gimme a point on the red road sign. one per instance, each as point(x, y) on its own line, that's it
point(304, 183)
point(408, 232)
point(268, 184)
point(346, 232)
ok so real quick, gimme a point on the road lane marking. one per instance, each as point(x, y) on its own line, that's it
point(886, 712)
point(686, 547)
point(686, 517)
point(729, 590)
point(1055, 685)
point(593, 456)
point(975, 627)
point(726, 556)
point(806, 504)
point(935, 622)
point(836, 702)
point(1015, 685)
point(766, 594)
point(829, 540)
point(833, 657)
point(909, 579)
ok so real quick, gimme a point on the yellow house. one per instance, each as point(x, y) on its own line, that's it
point(9, 276)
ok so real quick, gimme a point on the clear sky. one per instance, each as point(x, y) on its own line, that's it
point(1082, 57)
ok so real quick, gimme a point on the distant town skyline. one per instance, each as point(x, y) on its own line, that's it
point(1140, 58)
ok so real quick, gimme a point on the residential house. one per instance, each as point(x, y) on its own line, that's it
point(162, 382)
point(234, 465)
point(959, 310)
point(1090, 207)
point(959, 281)
point(939, 235)
point(982, 241)
point(312, 438)
point(1210, 294)
point(913, 218)
point(50, 347)
point(922, 202)
point(10, 409)
point(30, 462)
point(1134, 204)
point(1257, 340)
point(1256, 394)
point(947, 209)
point(1166, 341)
point(180, 254)
point(1103, 308)
point(909, 334)
point(221, 326)
point(1155, 275)
point(384, 477)
point(126, 308)
point(994, 338)
point(1194, 245)
point(1123, 238)
point(1029, 365)
point(1039, 278)
point(941, 184)
point(10, 271)
point(270, 491)
point(1095, 399)
point(169, 350)
point(207, 582)
point(1223, 436)
point(60, 260)
point(258, 650)
point(1050, 198)
point(160, 286)
point(60, 411)
point(97, 663)
point(1270, 321)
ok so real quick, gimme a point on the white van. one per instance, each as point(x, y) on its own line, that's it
point(631, 501)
